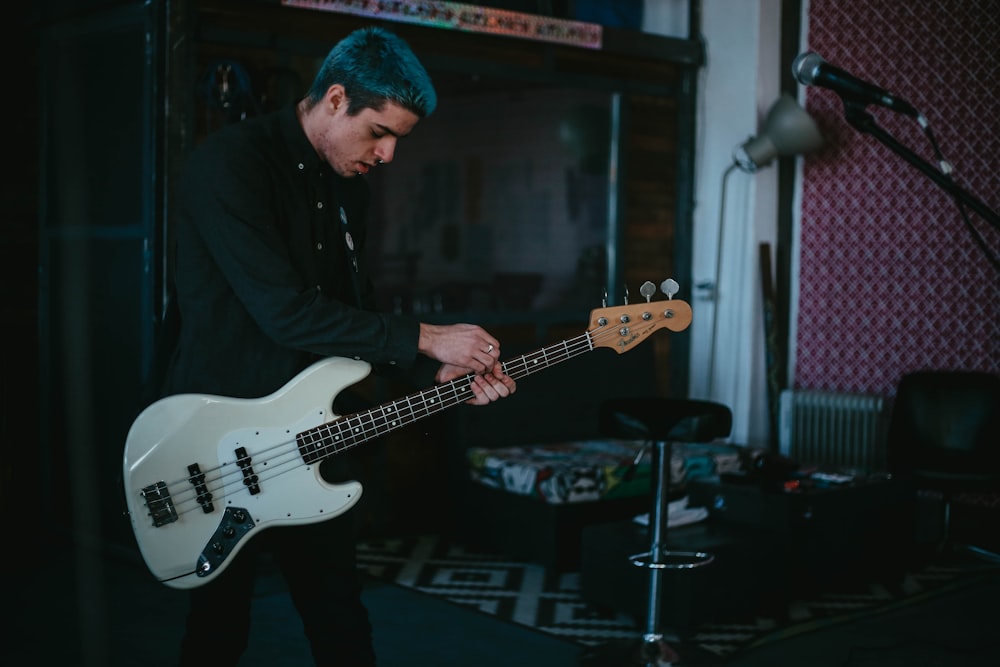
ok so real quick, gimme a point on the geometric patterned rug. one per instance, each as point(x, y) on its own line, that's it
point(519, 592)
point(525, 593)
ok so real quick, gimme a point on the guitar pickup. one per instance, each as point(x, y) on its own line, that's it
point(161, 507)
point(249, 476)
point(197, 480)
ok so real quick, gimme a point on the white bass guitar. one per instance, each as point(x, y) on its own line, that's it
point(203, 474)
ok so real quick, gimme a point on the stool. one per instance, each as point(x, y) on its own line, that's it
point(662, 422)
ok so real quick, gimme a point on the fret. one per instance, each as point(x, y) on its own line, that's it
point(309, 444)
point(355, 430)
point(387, 418)
point(422, 405)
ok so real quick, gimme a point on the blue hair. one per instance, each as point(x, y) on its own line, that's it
point(375, 66)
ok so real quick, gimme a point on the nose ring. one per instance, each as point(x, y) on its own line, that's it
point(378, 161)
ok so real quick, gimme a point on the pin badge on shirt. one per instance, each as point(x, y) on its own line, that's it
point(348, 239)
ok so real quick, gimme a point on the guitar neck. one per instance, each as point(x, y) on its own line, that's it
point(620, 328)
point(350, 430)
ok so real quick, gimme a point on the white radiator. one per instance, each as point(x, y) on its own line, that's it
point(833, 430)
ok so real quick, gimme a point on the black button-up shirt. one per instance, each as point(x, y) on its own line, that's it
point(265, 276)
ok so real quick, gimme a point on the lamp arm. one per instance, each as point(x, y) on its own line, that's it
point(863, 122)
point(718, 274)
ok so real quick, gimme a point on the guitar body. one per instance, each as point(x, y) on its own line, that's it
point(197, 544)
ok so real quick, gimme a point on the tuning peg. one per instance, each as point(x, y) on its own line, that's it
point(648, 289)
point(670, 287)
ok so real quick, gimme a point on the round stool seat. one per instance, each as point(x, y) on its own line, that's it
point(673, 419)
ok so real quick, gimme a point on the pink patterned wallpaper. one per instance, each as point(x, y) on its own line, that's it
point(891, 279)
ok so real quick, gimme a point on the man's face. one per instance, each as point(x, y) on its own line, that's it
point(352, 145)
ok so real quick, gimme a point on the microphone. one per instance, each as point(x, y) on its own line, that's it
point(811, 70)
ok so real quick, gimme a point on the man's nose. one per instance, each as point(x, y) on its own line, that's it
point(386, 150)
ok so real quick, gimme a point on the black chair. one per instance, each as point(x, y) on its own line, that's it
point(662, 422)
point(944, 437)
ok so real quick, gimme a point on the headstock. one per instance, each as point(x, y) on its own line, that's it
point(623, 327)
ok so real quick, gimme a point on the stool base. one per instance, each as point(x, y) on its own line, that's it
point(648, 653)
point(672, 560)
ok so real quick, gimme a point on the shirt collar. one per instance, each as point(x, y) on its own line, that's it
point(299, 148)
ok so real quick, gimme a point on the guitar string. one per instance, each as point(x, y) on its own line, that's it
point(183, 504)
point(288, 457)
point(452, 392)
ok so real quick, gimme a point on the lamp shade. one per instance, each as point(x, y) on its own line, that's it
point(788, 130)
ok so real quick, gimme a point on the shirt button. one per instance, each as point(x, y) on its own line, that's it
point(301, 166)
point(392, 363)
point(319, 288)
point(319, 204)
point(319, 246)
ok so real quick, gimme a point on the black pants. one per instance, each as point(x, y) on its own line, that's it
point(318, 564)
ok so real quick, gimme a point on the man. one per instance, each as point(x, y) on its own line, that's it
point(271, 276)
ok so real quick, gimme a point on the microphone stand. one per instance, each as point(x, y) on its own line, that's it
point(864, 122)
